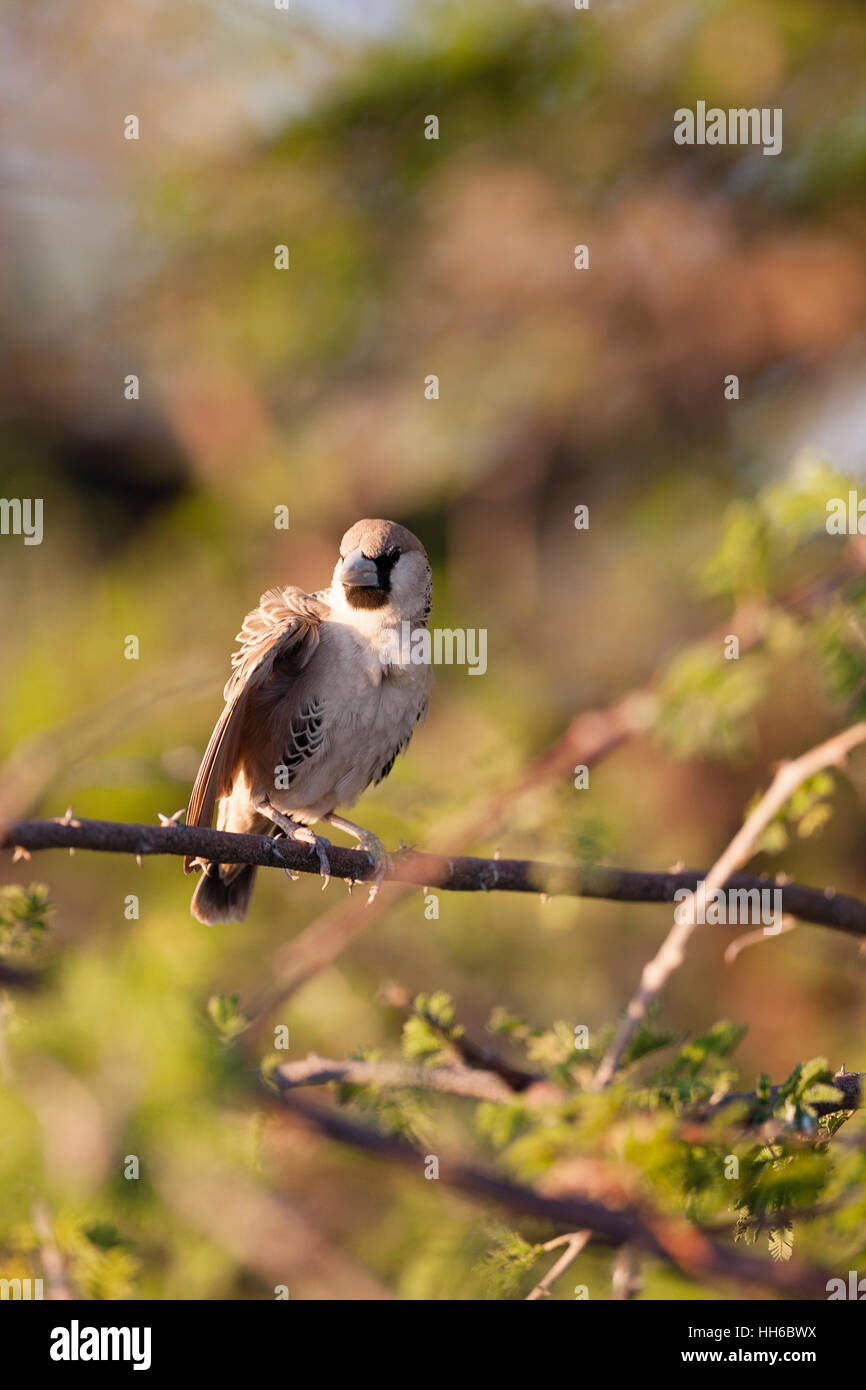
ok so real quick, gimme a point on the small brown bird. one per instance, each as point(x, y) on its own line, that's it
point(320, 702)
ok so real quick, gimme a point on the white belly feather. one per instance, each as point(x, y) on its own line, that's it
point(368, 712)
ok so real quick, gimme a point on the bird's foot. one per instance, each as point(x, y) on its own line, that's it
point(320, 845)
point(300, 834)
point(381, 860)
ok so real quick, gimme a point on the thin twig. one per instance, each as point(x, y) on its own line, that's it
point(574, 1243)
point(757, 938)
point(625, 1277)
point(53, 1263)
point(455, 1081)
point(671, 953)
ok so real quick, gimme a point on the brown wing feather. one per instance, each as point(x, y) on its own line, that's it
point(285, 627)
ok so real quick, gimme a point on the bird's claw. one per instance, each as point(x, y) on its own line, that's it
point(380, 859)
point(301, 834)
point(318, 845)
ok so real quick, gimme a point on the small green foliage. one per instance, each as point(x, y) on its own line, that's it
point(504, 1022)
point(105, 1235)
point(508, 1261)
point(553, 1048)
point(430, 1029)
point(708, 698)
point(99, 1261)
point(705, 702)
point(24, 916)
point(761, 533)
point(807, 812)
point(501, 1124)
point(741, 563)
point(591, 843)
point(697, 1071)
point(226, 1016)
point(841, 648)
point(421, 1043)
point(645, 1041)
point(401, 1114)
point(438, 1007)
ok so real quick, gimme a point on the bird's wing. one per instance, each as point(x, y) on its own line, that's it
point(279, 636)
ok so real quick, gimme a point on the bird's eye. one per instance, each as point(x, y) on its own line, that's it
point(394, 554)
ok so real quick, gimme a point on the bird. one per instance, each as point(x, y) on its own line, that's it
point(320, 702)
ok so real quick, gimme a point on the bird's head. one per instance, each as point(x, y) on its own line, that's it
point(383, 571)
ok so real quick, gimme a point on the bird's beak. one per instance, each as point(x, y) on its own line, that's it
point(357, 570)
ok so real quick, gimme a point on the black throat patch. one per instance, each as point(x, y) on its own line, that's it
point(374, 596)
point(365, 596)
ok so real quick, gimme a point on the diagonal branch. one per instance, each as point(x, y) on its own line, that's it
point(574, 1243)
point(671, 953)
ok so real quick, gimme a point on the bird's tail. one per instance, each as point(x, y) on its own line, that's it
point(223, 892)
point(219, 899)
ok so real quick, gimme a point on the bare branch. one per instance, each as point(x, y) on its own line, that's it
point(671, 953)
point(455, 1081)
point(463, 874)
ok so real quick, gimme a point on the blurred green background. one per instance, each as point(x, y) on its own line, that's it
point(305, 388)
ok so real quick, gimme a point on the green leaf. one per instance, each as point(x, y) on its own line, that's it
point(225, 1015)
point(23, 916)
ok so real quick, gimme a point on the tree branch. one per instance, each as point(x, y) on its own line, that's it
point(674, 1241)
point(455, 1081)
point(671, 953)
point(475, 1083)
point(463, 874)
point(574, 1242)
